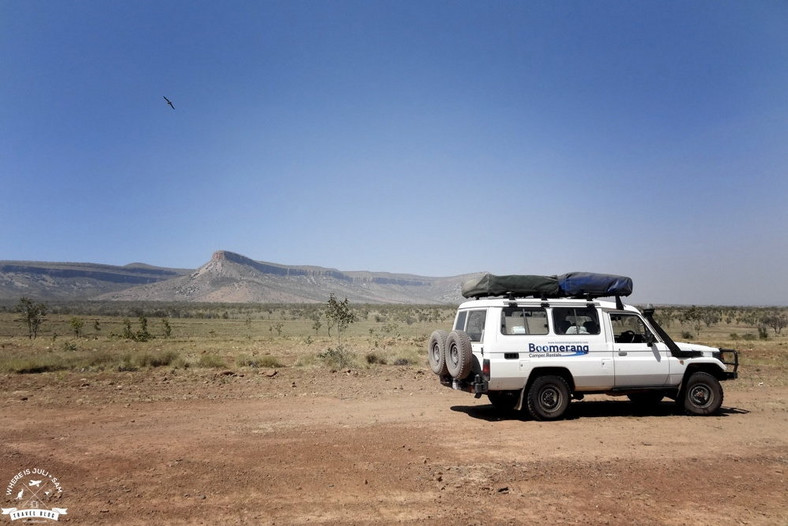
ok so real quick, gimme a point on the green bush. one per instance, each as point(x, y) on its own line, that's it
point(339, 358)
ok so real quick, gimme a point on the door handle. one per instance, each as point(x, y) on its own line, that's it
point(622, 353)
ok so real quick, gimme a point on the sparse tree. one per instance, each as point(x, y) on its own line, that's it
point(339, 313)
point(316, 324)
point(76, 325)
point(33, 315)
point(165, 323)
point(278, 326)
point(694, 317)
point(776, 321)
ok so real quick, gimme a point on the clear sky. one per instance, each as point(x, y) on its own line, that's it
point(647, 138)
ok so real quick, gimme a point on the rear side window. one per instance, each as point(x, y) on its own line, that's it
point(575, 320)
point(472, 322)
point(459, 325)
point(523, 320)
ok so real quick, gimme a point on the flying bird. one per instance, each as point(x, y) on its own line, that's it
point(169, 102)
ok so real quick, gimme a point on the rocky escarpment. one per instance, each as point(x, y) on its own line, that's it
point(226, 277)
point(231, 277)
point(75, 280)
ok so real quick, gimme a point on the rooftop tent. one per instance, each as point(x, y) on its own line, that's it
point(594, 285)
point(516, 285)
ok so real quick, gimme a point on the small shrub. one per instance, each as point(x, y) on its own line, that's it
point(339, 358)
point(127, 364)
point(686, 335)
point(373, 359)
point(34, 365)
point(267, 361)
point(211, 361)
point(100, 360)
point(749, 337)
point(161, 359)
point(734, 336)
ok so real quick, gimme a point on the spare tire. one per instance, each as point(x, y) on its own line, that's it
point(436, 352)
point(459, 354)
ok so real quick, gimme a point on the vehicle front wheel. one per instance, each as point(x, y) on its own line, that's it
point(702, 394)
point(548, 398)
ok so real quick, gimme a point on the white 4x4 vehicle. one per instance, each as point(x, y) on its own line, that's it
point(562, 342)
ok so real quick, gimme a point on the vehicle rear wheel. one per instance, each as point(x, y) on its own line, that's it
point(548, 398)
point(436, 352)
point(459, 354)
point(702, 394)
point(504, 401)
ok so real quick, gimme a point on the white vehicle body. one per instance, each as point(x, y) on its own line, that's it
point(592, 346)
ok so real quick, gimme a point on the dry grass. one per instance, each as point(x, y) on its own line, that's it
point(260, 336)
point(269, 337)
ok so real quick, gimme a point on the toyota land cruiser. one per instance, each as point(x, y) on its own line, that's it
point(536, 342)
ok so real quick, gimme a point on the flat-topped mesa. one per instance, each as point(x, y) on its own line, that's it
point(221, 256)
point(224, 255)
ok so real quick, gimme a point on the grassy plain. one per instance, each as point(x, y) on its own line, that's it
point(215, 336)
point(236, 337)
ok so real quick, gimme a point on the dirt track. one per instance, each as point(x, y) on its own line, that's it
point(387, 445)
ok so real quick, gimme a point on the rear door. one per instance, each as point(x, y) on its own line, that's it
point(639, 360)
point(472, 322)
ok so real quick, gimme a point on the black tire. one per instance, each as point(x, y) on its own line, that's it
point(436, 352)
point(548, 398)
point(459, 354)
point(646, 398)
point(702, 395)
point(504, 401)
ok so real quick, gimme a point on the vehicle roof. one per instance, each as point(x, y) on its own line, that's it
point(536, 302)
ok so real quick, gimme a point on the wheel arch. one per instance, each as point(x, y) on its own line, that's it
point(536, 372)
point(710, 368)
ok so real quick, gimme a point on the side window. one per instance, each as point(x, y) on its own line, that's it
point(629, 328)
point(575, 320)
point(519, 320)
point(475, 326)
point(459, 325)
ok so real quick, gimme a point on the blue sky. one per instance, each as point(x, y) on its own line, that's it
point(427, 137)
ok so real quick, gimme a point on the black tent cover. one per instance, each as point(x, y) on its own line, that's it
point(572, 284)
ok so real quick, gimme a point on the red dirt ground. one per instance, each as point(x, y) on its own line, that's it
point(387, 445)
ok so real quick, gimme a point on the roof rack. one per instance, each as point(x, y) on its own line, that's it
point(582, 285)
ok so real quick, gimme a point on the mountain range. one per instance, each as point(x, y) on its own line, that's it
point(227, 278)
